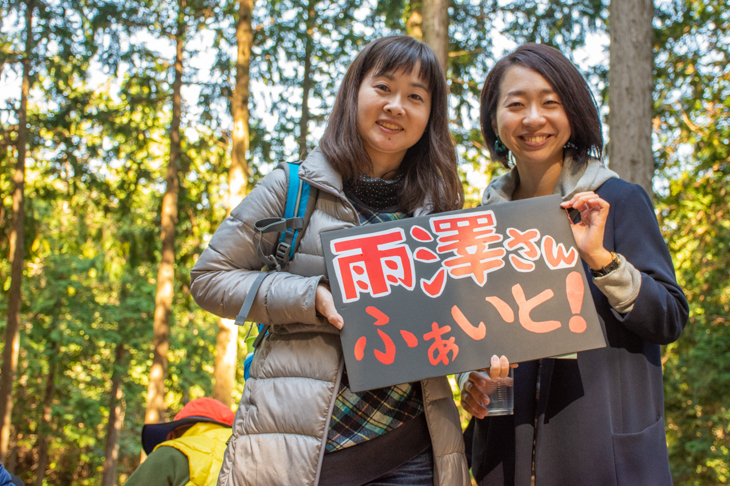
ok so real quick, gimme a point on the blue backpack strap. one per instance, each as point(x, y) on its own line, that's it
point(247, 365)
point(296, 206)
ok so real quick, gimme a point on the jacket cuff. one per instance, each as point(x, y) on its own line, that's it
point(461, 379)
point(621, 287)
point(294, 301)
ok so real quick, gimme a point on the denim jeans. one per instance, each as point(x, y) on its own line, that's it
point(416, 472)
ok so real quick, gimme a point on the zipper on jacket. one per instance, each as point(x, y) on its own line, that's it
point(535, 422)
point(329, 418)
point(342, 358)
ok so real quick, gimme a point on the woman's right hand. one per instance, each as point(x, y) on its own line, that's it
point(478, 386)
point(324, 303)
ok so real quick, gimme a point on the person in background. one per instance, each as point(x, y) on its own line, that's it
point(597, 419)
point(187, 451)
point(386, 154)
point(8, 479)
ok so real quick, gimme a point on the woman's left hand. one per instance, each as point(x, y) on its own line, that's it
point(478, 386)
point(588, 233)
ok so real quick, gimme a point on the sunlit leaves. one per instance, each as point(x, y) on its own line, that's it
point(693, 124)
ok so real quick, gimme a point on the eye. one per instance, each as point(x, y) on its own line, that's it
point(417, 97)
point(552, 102)
point(382, 87)
point(514, 104)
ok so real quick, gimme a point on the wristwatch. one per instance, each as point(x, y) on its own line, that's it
point(602, 272)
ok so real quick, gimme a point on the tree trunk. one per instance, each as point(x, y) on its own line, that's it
point(436, 28)
point(166, 274)
point(116, 419)
point(12, 456)
point(16, 436)
point(415, 20)
point(307, 81)
point(239, 172)
point(226, 346)
point(17, 238)
point(630, 91)
point(226, 353)
point(44, 427)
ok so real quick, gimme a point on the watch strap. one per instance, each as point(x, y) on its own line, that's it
point(602, 272)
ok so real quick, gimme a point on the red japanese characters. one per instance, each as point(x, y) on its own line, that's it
point(469, 238)
point(373, 263)
point(439, 350)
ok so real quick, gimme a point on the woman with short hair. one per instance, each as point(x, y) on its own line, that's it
point(597, 419)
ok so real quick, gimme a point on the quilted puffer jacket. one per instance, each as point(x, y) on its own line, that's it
point(281, 426)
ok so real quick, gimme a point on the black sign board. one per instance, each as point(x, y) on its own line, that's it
point(441, 294)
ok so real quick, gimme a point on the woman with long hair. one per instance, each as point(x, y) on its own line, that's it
point(597, 419)
point(386, 154)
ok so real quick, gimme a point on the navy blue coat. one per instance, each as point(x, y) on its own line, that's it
point(599, 418)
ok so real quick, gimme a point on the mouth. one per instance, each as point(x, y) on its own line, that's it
point(534, 139)
point(390, 126)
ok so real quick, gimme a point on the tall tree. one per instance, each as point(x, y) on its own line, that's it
point(239, 171)
point(414, 19)
point(17, 239)
point(116, 419)
point(630, 91)
point(310, 22)
point(436, 28)
point(166, 273)
point(238, 175)
point(45, 428)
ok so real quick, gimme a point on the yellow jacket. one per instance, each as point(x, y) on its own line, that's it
point(204, 445)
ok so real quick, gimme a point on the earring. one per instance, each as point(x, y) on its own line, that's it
point(500, 147)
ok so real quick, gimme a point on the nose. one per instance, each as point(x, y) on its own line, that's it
point(534, 116)
point(394, 106)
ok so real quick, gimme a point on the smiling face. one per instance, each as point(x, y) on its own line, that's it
point(530, 118)
point(392, 113)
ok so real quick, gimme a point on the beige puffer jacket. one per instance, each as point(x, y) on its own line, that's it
point(281, 426)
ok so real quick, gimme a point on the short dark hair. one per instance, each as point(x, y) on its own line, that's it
point(578, 102)
point(429, 167)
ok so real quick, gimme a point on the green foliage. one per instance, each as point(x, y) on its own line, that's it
point(97, 156)
point(289, 34)
point(693, 117)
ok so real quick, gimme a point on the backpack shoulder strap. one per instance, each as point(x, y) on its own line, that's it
point(300, 201)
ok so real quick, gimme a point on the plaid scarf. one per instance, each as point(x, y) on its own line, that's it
point(358, 417)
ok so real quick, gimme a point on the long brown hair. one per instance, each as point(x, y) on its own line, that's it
point(578, 102)
point(429, 167)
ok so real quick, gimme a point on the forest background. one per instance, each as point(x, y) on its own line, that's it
point(129, 129)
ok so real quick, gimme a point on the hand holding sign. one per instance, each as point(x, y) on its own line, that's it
point(588, 233)
point(325, 305)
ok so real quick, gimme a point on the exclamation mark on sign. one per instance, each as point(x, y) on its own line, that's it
point(574, 288)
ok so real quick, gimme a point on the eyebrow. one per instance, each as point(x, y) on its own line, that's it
point(392, 78)
point(519, 92)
